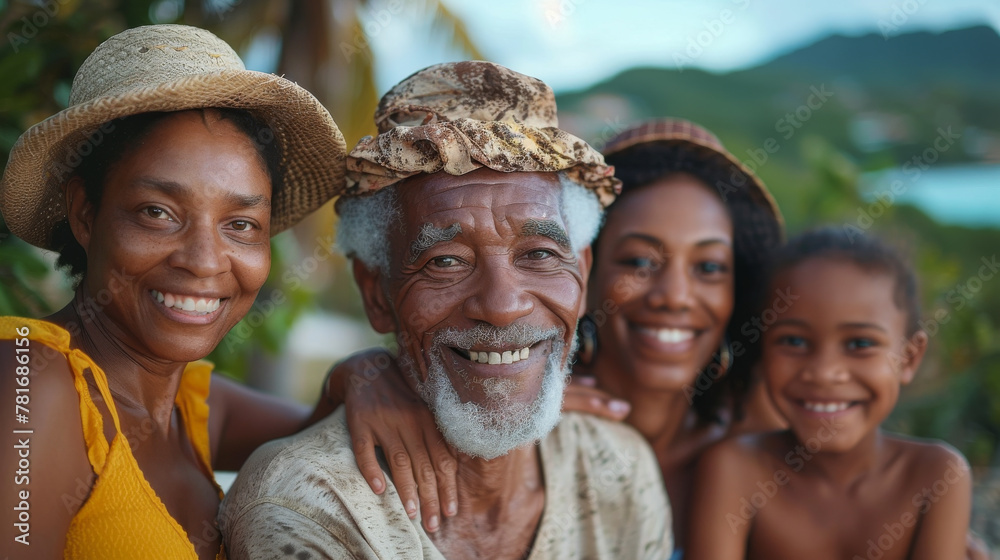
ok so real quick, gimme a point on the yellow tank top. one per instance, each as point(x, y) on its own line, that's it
point(123, 517)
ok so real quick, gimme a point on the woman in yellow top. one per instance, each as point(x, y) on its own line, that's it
point(159, 187)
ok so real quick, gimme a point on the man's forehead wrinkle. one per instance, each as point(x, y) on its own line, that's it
point(469, 212)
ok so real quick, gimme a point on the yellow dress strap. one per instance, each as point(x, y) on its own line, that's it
point(58, 339)
point(192, 401)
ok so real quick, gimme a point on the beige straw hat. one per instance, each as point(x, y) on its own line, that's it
point(170, 68)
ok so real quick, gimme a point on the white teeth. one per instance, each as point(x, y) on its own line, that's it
point(674, 335)
point(181, 303)
point(484, 357)
point(505, 358)
point(826, 407)
point(515, 356)
point(494, 358)
point(524, 353)
point(473, 356)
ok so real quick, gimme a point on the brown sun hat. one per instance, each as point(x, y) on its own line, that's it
point(459, 116)
point(161, 68)
point(761, 223)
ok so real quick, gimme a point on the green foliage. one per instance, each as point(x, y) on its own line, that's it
point(266, 326)
point(21, 270)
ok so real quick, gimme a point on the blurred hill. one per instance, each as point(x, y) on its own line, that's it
point(882, 99)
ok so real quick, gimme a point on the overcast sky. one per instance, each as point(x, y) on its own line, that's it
point(573, 43)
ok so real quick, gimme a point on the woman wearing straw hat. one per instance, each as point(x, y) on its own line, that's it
point(159, 187)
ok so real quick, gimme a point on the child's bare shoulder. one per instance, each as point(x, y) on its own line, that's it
point(925, 459)
point(744, 454)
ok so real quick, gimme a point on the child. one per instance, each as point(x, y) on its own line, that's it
point(834, 485)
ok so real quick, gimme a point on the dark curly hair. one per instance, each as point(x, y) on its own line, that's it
point(757, 232)
point(126, 134)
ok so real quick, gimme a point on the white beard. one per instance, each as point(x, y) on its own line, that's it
point(494, 430)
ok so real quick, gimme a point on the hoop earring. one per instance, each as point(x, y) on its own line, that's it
point(725, 355)
point(587, 333)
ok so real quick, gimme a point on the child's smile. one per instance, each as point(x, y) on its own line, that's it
point(835, 354)
point(826, 408)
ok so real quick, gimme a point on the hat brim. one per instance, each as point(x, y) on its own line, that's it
point(311, 145)
point(707, 152)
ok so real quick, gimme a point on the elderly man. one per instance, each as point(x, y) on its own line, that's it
point(469, 224)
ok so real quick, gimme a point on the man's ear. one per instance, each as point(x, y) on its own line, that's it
point(585, 258)
point(913, 354)
point(377, 307)
point(79, 212)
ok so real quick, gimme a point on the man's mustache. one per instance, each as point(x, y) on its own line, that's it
point(519, 335)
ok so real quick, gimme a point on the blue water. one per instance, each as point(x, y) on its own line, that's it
point(966, 195)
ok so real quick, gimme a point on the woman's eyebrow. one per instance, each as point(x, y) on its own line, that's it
point(248, 200)
point(175, 189)
point(641, 237)
point(713, 241)
point(170, 188)
point(654, 241)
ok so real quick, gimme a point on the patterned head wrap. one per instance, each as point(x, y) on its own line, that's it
point(460, 116)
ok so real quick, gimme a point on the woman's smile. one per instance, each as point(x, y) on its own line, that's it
point(191, 309)
point(665, 340)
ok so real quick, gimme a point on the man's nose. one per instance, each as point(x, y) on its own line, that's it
point(501, 295)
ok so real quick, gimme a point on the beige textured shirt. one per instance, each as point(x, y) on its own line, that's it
point(304, 497)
